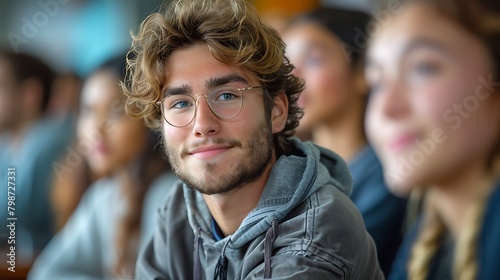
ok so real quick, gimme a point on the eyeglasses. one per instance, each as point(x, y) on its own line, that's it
point(225, 102)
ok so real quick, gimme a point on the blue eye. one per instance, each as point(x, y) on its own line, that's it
point(225, 96)
point(180, 104)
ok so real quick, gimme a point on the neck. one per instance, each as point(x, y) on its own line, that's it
point(457, 195)
point(230, 209)
point(343, 135)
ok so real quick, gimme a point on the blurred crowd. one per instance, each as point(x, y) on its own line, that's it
point(407, 93)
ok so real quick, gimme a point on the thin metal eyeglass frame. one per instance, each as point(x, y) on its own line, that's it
point(160, 105)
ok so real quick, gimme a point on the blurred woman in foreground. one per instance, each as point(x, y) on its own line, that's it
point(434, 120)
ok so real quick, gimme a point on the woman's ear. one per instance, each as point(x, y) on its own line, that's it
point(279, 113)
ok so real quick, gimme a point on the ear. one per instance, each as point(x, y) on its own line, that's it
point(279, 113)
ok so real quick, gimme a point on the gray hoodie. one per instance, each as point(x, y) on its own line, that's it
point(304, 227)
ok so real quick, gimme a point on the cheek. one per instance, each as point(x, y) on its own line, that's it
point(325, 83)
point(477, 134)
point(84, 129)
point(173, 136)
point(326, 92)
point(431, 103)
point(453, 107)
point(374, 124)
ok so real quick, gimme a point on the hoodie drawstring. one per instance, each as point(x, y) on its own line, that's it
point(221, 268)
point(196, 256)
point(271, 235)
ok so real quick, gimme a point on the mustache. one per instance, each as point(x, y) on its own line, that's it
point(214, 141)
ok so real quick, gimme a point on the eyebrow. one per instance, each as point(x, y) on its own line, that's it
point(415, 44)
point(220, 81)
point(184, 89)
point(210, 84)
point(424, 43)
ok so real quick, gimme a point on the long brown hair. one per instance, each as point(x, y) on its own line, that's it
point(485, 25)
point(135, 183)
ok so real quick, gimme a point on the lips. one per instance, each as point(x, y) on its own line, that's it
point(209, 152)
point(401, 142)
point(100, 149)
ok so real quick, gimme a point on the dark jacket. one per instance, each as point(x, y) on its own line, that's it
point(488, 248)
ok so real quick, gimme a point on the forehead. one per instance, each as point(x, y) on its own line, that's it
point(101, 88)
point(419, 21)
point(195, 65)
point(301, 36)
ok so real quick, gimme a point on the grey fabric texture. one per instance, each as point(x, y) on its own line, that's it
point(319, 234)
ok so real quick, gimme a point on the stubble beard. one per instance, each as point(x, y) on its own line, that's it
point(250, 167)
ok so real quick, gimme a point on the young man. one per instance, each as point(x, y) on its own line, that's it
point(252, 202)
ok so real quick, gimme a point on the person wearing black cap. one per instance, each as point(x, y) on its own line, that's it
point(326, 47)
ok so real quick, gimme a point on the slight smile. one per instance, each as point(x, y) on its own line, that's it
point(209, 152)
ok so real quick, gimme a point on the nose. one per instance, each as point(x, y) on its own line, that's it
point(393, 100)
point(92, 128)
point(206, 123)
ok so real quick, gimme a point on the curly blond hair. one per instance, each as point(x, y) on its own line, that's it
point(235, 36)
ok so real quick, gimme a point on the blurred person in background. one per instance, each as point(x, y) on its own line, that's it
point(65, 96)
point(67, 187)
point(102, 237)
point(334, 103)
point(434, 120)
point(29, 142)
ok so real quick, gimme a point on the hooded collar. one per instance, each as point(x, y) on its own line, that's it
point(291, 181)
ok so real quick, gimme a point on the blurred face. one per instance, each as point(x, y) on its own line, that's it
point(113, 139)
point(65, 91)
point(433, 111)
point(9, 102)
point(211, 154)
point(321, 61)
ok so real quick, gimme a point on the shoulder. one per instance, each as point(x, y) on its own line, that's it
point(100, 202)
point(102, 189)
point(399, 266)
point(367, 173)
point(173, 194)
point(172, 211)
point(161, 187)
point(332, 203)
point(334, 231)
point(158, 195)
point(336, 215)
point(491, 222)
point(489, 247)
